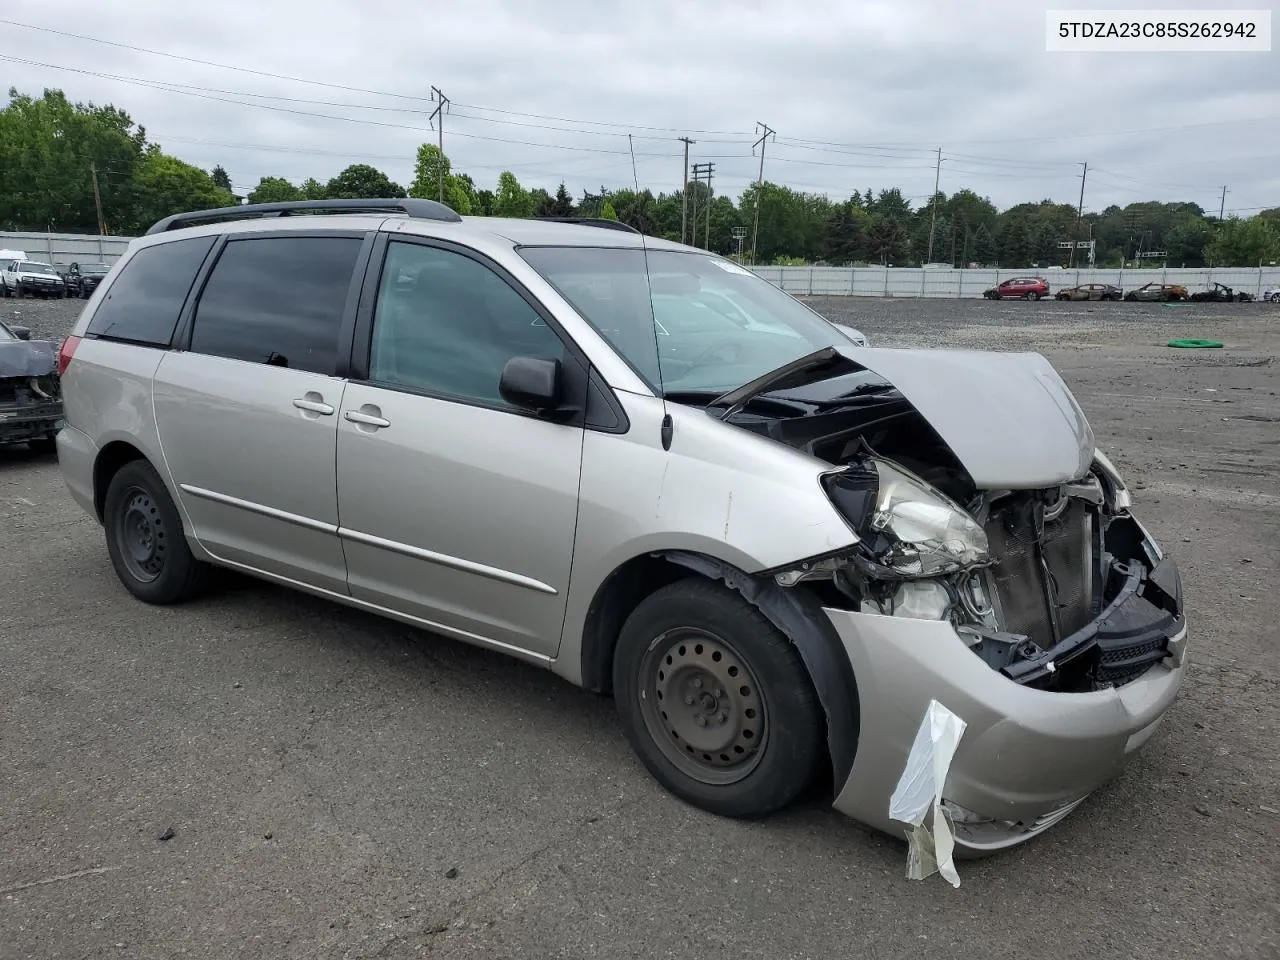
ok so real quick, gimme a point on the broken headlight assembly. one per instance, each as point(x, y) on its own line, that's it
point(908, 529)
point(919, 554)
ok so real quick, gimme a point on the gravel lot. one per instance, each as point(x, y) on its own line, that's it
point(340, 787)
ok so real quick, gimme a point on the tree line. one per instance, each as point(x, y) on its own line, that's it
point(52, 150)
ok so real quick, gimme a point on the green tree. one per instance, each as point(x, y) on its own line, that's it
point(1244, 243)
point(274, 190)
point(431, 174)
point(562, 204)
point(511, 199)
point(1186, 241)
point(49, 150)
point(888, 242)
point(313, 189)
point(846, 232)
point(221, 178)
point(984, 246)
point(362, 182)
point(433, 168)
point(166, 185)
point(607, 212)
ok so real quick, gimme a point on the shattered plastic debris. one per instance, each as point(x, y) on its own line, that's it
point(919, 792)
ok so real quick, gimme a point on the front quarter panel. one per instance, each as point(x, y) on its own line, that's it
point(719, 491)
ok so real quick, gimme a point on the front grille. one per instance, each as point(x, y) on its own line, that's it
point(1119, 664)
point(1045, 591)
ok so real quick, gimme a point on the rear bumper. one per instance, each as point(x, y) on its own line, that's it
point(76, 456)
point(1027, 755)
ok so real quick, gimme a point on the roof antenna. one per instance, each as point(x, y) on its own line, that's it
point(668, 426)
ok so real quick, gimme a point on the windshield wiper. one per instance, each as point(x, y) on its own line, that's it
point(819, 365)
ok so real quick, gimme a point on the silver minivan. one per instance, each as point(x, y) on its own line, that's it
point(642, 466)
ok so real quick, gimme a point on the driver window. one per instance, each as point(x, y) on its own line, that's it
point(447, 324)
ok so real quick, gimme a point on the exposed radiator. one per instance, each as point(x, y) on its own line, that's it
point(1047, 593)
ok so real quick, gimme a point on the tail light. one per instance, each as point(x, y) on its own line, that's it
point(66, 350)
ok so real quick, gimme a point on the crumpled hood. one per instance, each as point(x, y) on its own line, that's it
point(1008, 417)
point(27, 358)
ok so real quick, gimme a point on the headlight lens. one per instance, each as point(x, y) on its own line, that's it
point(908, 527)
point(933, 535)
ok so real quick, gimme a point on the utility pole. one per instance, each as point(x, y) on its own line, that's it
point(1222, 207)
point(703, 171)
point(684, 196)
point(97, 198)
point(755, 232)
point(442, 104)
point(1075, 238)
point(933, 220)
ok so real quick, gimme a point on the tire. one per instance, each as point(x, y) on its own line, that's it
point(145, 538)
point(43, 445)
point(728, 664)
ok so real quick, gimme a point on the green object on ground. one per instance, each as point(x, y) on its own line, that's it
point(1192, 342)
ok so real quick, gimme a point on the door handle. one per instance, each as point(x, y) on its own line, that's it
point(368, 419)
point(313, 406)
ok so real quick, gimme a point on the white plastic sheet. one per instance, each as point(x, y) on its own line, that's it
point(917, 799)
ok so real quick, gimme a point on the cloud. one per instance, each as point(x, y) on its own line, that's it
point(860, 92)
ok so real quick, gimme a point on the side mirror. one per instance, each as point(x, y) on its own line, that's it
point(22, 333)
point(531, 382)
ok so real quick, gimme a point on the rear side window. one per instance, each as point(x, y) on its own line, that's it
point(144, 301)
point(278, 301)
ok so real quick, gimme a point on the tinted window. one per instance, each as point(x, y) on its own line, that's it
point(446, 324)
point(143, 303)
point(277, 300)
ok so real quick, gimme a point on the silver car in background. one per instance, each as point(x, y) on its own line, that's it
point(643, 467)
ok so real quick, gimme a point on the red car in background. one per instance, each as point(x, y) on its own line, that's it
point(1019, 288)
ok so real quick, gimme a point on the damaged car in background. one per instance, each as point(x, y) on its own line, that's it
point(778, 549)
point(30, 395)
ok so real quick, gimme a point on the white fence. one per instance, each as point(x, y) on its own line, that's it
point(918, 282)
point(65, 248)
point(68, 248)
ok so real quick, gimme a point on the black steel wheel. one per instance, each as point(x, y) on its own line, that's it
point(145, 538)
point(716, 701)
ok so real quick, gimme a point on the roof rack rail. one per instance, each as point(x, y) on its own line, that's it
point(593, 222)
point(408, 206)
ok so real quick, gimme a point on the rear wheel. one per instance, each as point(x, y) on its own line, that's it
point(145, 539)
point(716, 701)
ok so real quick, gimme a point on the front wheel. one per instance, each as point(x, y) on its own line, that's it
point(716, 701)
point(145, 539)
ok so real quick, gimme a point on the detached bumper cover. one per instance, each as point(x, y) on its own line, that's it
point(1026, 752)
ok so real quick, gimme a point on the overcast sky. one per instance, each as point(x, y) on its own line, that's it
point(860, 92)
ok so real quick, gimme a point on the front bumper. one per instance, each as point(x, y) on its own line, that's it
point(43, 288)
point(1027, 755)
point(18, 423)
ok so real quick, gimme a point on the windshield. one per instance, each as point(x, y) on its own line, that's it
point(94, 269)
point(714, 325)
point(28, 266)
point(5, 334)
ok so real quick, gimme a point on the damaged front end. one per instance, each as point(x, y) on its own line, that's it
point(1059, 589)
point(30, 391)
point(997, 572)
